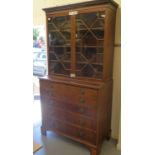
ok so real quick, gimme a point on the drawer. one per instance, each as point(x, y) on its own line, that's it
point(70, 117)
point(69, 93)
point(81, 95)
point(75, 108)
point(70, 130)
point(50, 89)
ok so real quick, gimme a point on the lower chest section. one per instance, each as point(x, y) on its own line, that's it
point(70, 110)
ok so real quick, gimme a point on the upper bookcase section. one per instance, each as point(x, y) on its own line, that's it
point(81, 4)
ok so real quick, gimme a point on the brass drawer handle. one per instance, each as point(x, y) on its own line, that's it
point(81, 110)
point(82, 91)
point(50, 93)
point(82, 101)
point(81, 134)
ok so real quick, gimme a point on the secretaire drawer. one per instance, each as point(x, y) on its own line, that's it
point(69, 93)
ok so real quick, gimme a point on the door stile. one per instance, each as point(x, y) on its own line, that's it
point(73, 46)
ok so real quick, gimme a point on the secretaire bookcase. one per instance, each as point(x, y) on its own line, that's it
point(76, 95)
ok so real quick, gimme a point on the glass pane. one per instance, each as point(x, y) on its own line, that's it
point(87, 71)
point(90, 44)
point(58, 68)
point(62, 22)
point(80, 58)
point(59, 36)
point(66, 57)
point(99, 34)
point(87, 18)
point(98, 23)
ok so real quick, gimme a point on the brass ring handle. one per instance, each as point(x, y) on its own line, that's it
point(81, 134)
point(81, 110)
point(82, 101)
point(50, 93)
point(82, 91)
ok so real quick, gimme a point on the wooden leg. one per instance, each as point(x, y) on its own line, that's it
point(93, 151)
point(108, 135)
point(43, 131)
point(108, 138)
point(99, 150)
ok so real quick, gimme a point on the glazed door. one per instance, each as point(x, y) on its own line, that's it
point(90, 44)
point(59, 44)
point(76, 44)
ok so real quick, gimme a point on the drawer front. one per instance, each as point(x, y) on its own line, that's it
point(52, 90)
point(70, 130)
point(81, 95)
point(75, 108)
point(69, 93)
point(70, 117)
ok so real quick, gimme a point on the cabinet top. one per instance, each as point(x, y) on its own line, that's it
point(82, 4)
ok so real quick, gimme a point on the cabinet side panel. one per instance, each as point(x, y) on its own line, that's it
point(104, 116)
point(109, 43)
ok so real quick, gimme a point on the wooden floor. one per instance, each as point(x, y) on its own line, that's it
point(36, 146)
